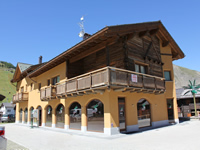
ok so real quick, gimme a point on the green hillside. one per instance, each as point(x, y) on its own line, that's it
point(6, 88)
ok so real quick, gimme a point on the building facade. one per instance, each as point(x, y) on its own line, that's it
point(186, 103)
point(7, 108)
point(119, 79)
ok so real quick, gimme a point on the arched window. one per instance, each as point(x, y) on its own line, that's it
point(95, 116)
point(48, 116)
point(31, 114)
point(39, 115)
point(20, 115)
point(60, 116)
point(75, 116)
point(144, 113)
point(25, 115)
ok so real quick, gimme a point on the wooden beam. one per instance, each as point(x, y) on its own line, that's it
point(100, 91)
point(132, 35)
point(92, 50)
point(154, 32)
point(148, 49)
point(119, 89)
point(143, 33)
point(165, 43)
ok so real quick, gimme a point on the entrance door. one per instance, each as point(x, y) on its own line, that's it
point(170, 108)
point(40, 117)
point(122, 115)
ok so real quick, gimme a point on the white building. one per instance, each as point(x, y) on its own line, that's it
point(7, 108)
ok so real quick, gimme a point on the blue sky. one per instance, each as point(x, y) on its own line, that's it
point(30, 28)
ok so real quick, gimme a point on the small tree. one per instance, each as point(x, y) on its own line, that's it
point(193, 88)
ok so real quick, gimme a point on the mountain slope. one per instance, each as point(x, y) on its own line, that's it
point(6, 88)
point(183, 75)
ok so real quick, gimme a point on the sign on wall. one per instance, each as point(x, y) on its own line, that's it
point(35, 113)
point(134, 78)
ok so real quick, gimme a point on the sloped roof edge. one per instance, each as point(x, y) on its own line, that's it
point(103, 32)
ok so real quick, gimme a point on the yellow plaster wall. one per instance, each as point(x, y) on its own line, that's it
point(34, 94)
point(170, 85)
point(157, 103)
point(109, 98)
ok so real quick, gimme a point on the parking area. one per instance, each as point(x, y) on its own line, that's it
point(182, 136)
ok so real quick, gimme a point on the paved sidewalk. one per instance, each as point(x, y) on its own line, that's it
point(14, 146)
point(183, 136)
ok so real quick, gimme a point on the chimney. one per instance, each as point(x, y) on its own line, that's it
point(40, 59)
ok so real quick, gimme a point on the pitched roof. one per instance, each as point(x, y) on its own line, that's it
point(22, 70)
point(180, 94)
point(112, 33)
point(23, 66)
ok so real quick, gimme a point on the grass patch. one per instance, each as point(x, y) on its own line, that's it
point(6, 88)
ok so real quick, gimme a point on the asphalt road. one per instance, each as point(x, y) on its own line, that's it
point(182, 136)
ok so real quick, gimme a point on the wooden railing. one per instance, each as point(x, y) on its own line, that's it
point(110, 76)
point(47, 92)
point(18, 97)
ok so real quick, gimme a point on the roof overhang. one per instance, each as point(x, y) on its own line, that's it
point(108, 35)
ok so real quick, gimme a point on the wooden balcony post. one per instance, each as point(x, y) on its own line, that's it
point(108, 69)
point(127, 79)
point(66, 88)
point(143, 81)
point(76, 85)
point(90, 80)
point(155, 83)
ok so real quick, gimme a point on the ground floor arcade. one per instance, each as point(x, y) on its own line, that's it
point(109, 112)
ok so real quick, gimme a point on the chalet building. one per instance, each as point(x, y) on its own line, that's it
point(186, 103)
point(119, 79)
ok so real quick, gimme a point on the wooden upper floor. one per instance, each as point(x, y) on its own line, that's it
point(115, 57)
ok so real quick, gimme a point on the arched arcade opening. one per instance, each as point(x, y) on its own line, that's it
point(25, 115)
point(144, 113)
point(95, 116)
point(60, 116)
point(20, 115)
point(48, 116)
point(75, 116)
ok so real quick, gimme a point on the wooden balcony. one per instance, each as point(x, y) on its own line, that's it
point(19, 97)
point(48, 93)
point(110, 77)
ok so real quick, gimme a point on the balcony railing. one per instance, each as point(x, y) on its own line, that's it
point(115, 78)
point(48, 93)
point(19, 97)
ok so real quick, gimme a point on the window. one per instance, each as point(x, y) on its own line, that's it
point(39, 86)
point(167, 75)
point(140, 68)
point(55, 80)
point(22, 89)
point(31, 86)
point(48, 82)
point(26, 88)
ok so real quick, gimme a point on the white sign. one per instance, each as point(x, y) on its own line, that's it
point(35, 113)
point(134, 78)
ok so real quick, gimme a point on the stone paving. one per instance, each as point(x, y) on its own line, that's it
point(14, 146)
point(182, 136)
